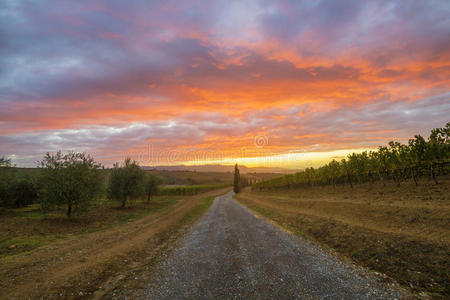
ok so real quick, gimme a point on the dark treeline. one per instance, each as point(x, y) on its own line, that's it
point(397, 161)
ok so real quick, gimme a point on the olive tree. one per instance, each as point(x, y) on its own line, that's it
point(126, 182)
point(70, 180)
point(152, 182)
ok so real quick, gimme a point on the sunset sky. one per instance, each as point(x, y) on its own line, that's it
point(263, 83)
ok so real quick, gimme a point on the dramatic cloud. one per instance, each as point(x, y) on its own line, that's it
point(114, 77)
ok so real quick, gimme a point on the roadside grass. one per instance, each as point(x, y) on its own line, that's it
point(92, 265)
point(198, 210)
point(166, 244)
point(401, 232)
point(24, 229)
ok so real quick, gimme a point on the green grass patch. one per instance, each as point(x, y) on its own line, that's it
point(198, 210)
point(23, 244)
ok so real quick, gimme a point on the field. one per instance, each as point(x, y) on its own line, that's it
point(403, 232)
point(193, 178)
point(190, 189)
point(24, 229)
point(196, 178)
point(52, 256)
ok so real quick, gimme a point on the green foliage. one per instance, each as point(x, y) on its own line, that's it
point(126, 182)
point(16, 189)
point(5, 162)
point(189, 190)
point(7, 181)
point(237, 180)
point(152, 183)
point(396, 161)
point(72, 180)
point(25, 192)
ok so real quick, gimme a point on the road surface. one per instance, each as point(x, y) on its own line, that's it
point(229, 253)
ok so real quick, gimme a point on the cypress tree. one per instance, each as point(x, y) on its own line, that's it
point(237, 179)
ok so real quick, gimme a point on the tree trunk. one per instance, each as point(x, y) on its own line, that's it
point(349, 180)
point(69, 209)
point(124, 201)
point(381, 178)
point(148, 198)
point(370, 175)
point(396, 177)
point(413, 174)
point(433, 175)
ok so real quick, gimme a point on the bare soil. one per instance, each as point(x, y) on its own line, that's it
point(88, 265)
point(231, 254)
point(403, 232)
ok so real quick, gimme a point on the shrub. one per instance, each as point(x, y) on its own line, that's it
point(126, 183)
point(72, 180)
point(24, 192)
point(7, 179)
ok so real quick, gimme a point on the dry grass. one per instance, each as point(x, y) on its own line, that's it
point(24, 229)
point(86, 265)
point(402, 232)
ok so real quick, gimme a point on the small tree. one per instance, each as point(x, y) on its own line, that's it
point(126, 182)
point(72, 180)
point(152, 182)
point(7, 180)
point(5, 162)
point(237, 180)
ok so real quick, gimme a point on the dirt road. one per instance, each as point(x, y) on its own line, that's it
point(230, 253)
point(90, 265)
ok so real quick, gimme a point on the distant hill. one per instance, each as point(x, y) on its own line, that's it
point(219, 168)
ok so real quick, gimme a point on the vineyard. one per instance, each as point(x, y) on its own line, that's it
point(399, 162)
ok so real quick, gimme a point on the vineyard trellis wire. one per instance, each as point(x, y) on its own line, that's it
point(398, 162)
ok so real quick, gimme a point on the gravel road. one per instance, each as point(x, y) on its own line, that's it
point(229, 253)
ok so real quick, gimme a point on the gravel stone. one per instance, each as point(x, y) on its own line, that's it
point(231, 254)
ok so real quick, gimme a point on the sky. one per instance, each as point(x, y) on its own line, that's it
point(262, 83)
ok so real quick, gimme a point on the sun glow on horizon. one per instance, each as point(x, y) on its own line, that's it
point(294, 160)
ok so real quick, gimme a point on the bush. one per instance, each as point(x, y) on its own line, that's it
point(72, 180)
point(126, 183)
point(25, 192)
point(7, 179)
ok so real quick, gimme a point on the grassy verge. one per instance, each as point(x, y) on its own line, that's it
point(127, 286)
point(198, 210)
point(92, 265)
point(25, 229)
point(402, 232)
